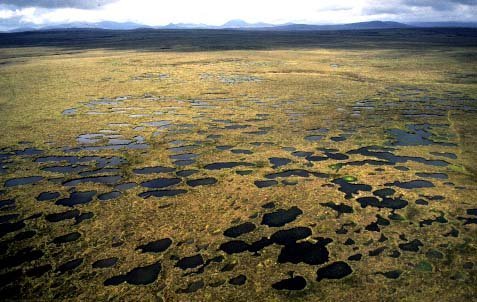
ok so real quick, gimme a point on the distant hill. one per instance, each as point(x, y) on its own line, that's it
point(240, 24)
point(350, 26)
point(183, 26)
point(243, 25)
point(232, 24)
point(100, 25)
point(82, 25)
point(446, 24)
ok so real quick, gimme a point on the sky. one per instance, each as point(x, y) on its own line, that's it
point(23, 13)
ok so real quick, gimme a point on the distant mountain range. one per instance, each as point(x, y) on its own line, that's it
point(350, 26)
point(242, 25)
point(445, 24)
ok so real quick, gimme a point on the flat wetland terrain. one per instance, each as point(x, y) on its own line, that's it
point(238, 165)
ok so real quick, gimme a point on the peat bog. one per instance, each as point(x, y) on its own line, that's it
point(293, 170)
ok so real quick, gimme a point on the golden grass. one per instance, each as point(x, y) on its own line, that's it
point(38, 84)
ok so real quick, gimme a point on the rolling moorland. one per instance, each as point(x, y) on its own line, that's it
point(229, 165)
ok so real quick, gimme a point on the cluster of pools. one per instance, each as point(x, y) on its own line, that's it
point(426, 180)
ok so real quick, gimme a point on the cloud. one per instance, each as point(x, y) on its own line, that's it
point(10, 22)
point(439, 5)
point(217, 12)
point(16, 18)
point(81, 4)
point(343, 6)
point(416, 7)
point(392, 7)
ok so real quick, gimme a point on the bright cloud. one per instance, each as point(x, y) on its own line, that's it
point(217, 12)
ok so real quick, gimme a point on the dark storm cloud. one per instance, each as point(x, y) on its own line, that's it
point(387, 9)
point(439, 4)
point(83, 4)
point(401, 7)
point(9, 22)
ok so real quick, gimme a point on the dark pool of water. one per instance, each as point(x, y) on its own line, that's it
point(22, 181)
point(162, 193)
point(305, 252)
point(240, 229)
point(350, 188)
point(290, 236)
point(201, 182)
point(279, 162)
point(432, 175)
point(105, 180)
point(67, 238)
point(412, 246)
point(186, 173)
point(390, 203)
point(48, 196)
point(281, 217)
point(57, 217)
point(190, 262)
point(413, 184)
point(157, 246)
point(335, 270)
point(109, 195)
point(69, 266)
point(161, 183)
point(294, 283)
point(76, 198)
point(239, 280)
point(138, 276)
point(265, 183)
point(105, 263)
point(154, 170)
point(227, 165)
point(340, 208)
